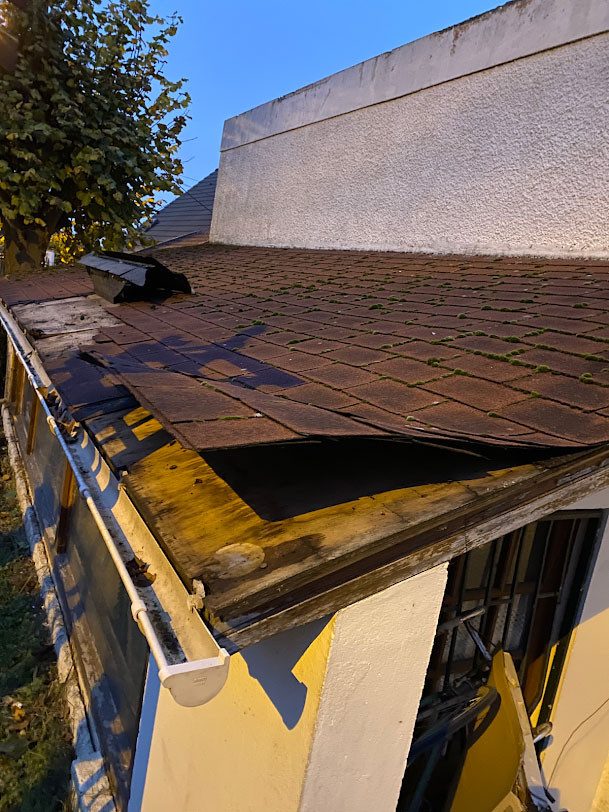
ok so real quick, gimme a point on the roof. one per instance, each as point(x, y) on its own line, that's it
point(187, 218)
point(281, 345)
point(280, 530)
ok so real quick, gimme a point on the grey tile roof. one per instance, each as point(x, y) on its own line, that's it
point(188, 214)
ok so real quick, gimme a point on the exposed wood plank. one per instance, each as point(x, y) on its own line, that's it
point(62, 316)
point(61, 345)
point(315, 562)
point(63, 326)
point(240, 632)
point(33, 422)
point(195, 514)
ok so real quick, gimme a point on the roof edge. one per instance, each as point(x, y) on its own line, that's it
point(517, 29)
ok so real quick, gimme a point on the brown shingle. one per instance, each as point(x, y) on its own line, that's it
point(341, 376)
point(588, 396)
point(560, 362)
point(493, 346)
point(464, 420)
point(423, 351)
point(225, 433)
point(300, 361)
point(570, 344)
point(375, 334)
point(489, 368)
point(394, 397)
point(359, 356)
point(193, 401)
point(319, 395)
point(406, 370)
point(558, 420)
point(475, 392)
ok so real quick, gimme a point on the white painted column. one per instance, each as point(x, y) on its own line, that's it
point(376, 670)
point(317, 718)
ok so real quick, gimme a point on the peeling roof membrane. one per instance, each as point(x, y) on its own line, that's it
point(283, 345)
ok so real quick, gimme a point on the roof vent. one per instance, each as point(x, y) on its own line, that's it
point(121, 277)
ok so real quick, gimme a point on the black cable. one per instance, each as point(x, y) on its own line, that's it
point(581, 724)
point(189, 192)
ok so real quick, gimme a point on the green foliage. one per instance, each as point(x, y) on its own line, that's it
point(89, 125)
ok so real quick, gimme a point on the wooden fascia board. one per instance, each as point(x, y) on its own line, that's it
point(450, 537)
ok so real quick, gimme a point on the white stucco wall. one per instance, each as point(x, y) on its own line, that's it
point(316, 718)
point(508, 158)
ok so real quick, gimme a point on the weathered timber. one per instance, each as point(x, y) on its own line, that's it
point(314, 563)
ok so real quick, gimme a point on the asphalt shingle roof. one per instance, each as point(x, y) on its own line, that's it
point(188, 216)
point(277, 345)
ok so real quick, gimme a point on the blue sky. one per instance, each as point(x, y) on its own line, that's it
point(239, 54)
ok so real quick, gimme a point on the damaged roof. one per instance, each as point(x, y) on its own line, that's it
point(500, 363)
point(277, 345)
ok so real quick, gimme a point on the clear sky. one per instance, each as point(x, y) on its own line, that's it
point(240, 53)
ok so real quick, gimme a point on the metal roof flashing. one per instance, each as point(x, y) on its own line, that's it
point(120, 277)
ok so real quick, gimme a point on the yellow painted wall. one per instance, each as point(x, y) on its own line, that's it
point(601, 800)
point(252, 741)
point(315, 719)
point(575, 763)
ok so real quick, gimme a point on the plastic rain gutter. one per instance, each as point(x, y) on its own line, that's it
point(191, 683)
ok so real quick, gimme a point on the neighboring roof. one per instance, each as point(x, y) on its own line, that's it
point(187, 218)
point(280, 345)
point(281, 532)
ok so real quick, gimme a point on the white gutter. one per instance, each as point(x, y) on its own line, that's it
point(89, 776)
point(191, 682)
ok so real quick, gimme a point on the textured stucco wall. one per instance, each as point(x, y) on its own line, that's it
point(316, 718)
point(511, 159)
point(516, 29)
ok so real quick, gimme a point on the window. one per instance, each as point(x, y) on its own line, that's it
point(521, 593)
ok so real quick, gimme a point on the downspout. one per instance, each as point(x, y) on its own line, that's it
point(192, 682)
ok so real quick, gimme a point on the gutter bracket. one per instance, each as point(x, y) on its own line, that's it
point(191, 683)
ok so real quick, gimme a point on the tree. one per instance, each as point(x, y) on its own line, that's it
point(89, 126)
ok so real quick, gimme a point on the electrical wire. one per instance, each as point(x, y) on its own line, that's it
point(573, 732)
point(189, 192)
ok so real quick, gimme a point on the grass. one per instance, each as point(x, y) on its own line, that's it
point(35, 745)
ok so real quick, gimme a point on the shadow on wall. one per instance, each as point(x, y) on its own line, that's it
point(271, 661)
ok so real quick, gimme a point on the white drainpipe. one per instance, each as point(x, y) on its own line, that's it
point(192, 682)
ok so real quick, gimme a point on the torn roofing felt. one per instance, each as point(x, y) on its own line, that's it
point(278, 345)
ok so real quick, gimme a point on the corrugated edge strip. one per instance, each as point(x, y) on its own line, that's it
point(91, 788)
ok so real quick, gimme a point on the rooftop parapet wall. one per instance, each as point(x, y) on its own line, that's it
point(487, 137)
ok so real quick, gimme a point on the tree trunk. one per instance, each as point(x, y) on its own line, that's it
point(24, 248)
